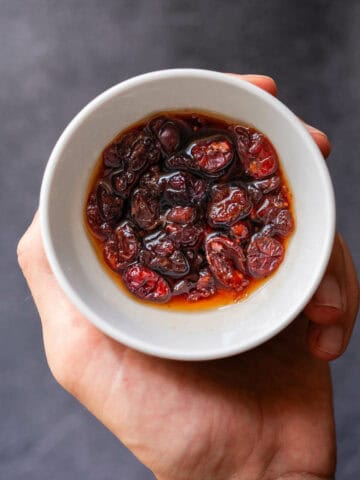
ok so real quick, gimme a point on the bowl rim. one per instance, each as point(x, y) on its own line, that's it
point(65, 283)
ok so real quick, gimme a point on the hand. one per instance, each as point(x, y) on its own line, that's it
point(266, 414)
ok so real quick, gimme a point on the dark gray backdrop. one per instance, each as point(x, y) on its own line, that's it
point(54, 58)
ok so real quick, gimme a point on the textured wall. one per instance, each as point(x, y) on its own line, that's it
point(57, 55)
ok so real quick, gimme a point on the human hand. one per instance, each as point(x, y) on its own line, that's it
point(266, 414)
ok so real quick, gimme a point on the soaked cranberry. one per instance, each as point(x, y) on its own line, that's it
point(110, 206)
point(136, 152)
point(259, 188)
point(182, 215)
point(196, 289)
point(273, 211)
point(256, 152)
point(123, 182)
point(212, 154)
point(190, 205)
point(283, 223)
point(228, 204)
point(174, 265)
point(185, 235)
point(162, 255)
point(139, 149)
point(241, 230)
point(168, 132)
point(227, 262)
point(264, 255)
point(121, 248)
point(269, 208)
point(183, 286)
point(103, 210)
point(209, 156)
point(145, 209)
point(182, 188)
point(153, 180)
point(112, 157)
point(147, 284)
point(195, 259)
point(100, 228)
point(205, 286)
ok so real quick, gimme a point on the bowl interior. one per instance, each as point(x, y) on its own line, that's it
point(198, 335)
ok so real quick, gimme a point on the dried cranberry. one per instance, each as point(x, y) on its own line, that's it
point(228, 204)
point(196, 259)
point(100, 228)
point(121, 248)
point(211, 154)
point(283, 223)
point(241, 230)
point(181, 161)
point(183, 189)
point(273, 210)
point(174, 265)
point(256, 152)
point(205, 286)
point(184, 235)
point(168, 132)
point(182, 215)
point(161, 254)
point(264, 255)
point(112, 157)
point(139, 149)
point(145, 209)
point(183, 286)
point(124, 182)
point(269, 208)
point(259, 188)
point(110, 206)
point(147, 284)
point(226, 260)
point(152, 180)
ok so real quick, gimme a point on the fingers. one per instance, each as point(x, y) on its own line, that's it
point(68, 336)
point(262, 81)
point(269, 85)
point(321, 139)
point(35, 267)
point(333, 309)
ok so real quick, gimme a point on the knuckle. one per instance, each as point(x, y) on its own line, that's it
point(23, 252)
point(61, 373)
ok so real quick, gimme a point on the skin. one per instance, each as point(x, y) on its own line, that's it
point(263, 415)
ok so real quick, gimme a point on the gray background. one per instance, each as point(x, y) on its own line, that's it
point(54, 58)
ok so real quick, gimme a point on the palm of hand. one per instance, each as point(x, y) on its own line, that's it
point(262, 415)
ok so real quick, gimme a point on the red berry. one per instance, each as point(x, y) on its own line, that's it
point(264, 255)
point(121, 248)
point(147, 284)
point(228, 204)
point(226, 260)
point(212, 154)
point(256, 152)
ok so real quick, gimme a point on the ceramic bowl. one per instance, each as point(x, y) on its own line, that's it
point(197, 335)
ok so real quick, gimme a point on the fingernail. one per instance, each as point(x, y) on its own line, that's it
point(329, 293)
point(331, 339)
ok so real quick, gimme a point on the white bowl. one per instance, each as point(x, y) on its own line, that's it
point(199, 335)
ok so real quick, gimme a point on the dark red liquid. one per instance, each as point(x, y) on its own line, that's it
point(189, 210)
